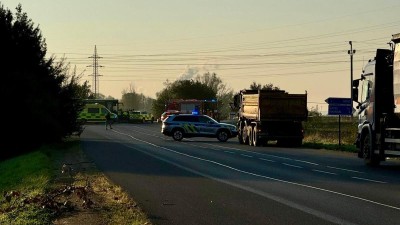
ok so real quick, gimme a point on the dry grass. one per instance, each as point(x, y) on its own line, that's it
point(110, 204)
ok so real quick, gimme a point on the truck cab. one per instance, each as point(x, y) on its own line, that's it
point(378, 135)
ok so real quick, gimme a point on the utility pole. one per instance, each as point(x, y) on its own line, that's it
point(95, 74)
point(351, 52)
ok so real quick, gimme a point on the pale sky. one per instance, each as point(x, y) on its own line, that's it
point(297, 45)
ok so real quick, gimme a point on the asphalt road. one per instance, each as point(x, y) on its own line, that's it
point(204, 181)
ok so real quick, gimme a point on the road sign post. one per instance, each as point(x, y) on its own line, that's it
point(339, 107)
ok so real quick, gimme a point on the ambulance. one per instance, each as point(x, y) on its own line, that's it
point(140, 116)
point(94, 112)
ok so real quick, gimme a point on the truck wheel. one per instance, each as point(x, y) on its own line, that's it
point(240, 133)
point(251, 137)
point(367, 150)
point(256, 142)
point(245, 136)
point(177, 134)
point(222, 136)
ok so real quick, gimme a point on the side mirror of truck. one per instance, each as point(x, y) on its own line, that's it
point(356, 83)
point(355, 95)
point(236, 101)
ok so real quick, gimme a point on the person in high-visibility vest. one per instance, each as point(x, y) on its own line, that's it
point(108, 120)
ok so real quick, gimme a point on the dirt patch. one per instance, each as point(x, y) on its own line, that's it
point(90, 197)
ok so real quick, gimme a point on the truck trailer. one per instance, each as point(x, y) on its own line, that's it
point(270, 115)
point(377, 94)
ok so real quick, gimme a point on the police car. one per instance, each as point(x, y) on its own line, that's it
point(188, 125)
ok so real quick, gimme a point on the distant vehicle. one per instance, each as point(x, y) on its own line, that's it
point(164, 115)
point(194, 106)
point(140, 116)
point(94, 112)
point(189, 125)
point(265, 115)
point(378, 107)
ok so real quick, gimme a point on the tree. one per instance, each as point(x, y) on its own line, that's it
point(134, 101)
point(206, 87)
point(181, 89)
point(270, 86)
point(314, 112)
point(224, 94)
point(41, 98)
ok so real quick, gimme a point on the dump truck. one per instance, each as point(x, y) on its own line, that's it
point(377, 95)
point(270, 115)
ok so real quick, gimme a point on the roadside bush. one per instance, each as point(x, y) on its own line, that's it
point(325, 130)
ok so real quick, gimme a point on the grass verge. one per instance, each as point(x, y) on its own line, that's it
point(37, 192)
point(23, 178)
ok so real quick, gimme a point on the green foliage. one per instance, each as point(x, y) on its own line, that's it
point(134, 101)
point(30, 171)
point(342, 147)
point(207, 86)
point(314, 112)
point(270, 86)
point(29, 175)
point(325, 130)
point(42, 99)
point(181, 89)
point(224, 94)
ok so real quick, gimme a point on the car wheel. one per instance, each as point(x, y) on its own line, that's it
point(177, 135)
point(222, 136)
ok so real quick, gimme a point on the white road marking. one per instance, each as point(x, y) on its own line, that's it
point(257, 175)
point(286, 164)
point(337, 168)
point(375, 181)
point(321, 171)
point(266, 160)
point(248, 156)
point(229, 152)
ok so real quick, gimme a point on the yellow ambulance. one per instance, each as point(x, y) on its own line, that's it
point(95, 112)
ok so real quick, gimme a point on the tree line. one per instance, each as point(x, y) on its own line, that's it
point(42, 97)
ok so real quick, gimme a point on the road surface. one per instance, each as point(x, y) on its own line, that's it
point(204, 181)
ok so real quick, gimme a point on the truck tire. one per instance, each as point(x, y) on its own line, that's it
point(177, 134)
point(367, 150)
point(222, 135)
point(256, 141)
point(240, 133)
point(245, 136)
point(251, 137)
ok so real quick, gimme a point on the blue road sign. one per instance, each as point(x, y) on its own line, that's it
point(340, 106)
point(339, 101)
point(340, 110)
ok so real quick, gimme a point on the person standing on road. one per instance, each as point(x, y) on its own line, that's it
point(108, 120)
